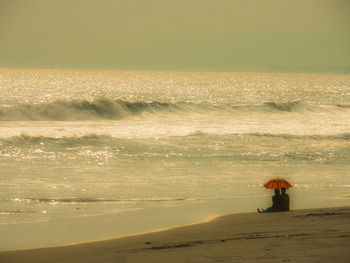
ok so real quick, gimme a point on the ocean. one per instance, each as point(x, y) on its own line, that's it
point(165, 148)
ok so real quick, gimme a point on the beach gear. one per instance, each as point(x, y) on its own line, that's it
point(277, 183)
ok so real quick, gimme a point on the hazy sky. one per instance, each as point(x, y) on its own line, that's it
point(208, 35)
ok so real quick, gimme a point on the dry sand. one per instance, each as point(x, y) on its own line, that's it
point(314, 235)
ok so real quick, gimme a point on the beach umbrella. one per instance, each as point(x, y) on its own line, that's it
point(277, 183)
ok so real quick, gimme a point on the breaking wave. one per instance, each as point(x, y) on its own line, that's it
point(342, 136)
point(103, 140)
point(284, 106)
point(79, 200)
point(111, 109)
point(82, 200)
point(100, 108)
point(85, 140)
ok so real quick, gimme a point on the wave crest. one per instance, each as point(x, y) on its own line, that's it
point(284, 106)
point(112, 109)
point(85, 140)
point(103, 140)
point(100, 108)
point(78, 200)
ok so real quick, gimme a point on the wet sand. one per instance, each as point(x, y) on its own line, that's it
point(313, 235)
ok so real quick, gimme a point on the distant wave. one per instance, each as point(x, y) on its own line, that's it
point(341, 136)
point(86, 140)
point(100, 108)
point(111, 109)
point(9, 212)
point(65, 141)
point(103, 140)
point(284, 106)
point(344, 106)
point(78, 200)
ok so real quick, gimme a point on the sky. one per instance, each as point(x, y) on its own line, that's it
point(193, 35)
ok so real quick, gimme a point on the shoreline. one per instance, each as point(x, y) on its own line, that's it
point(209, 219)
point(76, 230)
point(298, 234)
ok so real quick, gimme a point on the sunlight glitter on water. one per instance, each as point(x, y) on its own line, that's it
point(174, 136)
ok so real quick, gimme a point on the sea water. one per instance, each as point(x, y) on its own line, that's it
point(168, 148)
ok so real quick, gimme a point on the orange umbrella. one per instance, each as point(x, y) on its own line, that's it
point(277, 183)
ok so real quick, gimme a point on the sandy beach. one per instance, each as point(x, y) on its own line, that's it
point(312, 235)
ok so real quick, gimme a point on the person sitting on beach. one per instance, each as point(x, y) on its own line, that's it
point(285, 200)
point(276, 203)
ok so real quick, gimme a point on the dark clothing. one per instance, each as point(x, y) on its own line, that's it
point(280, 202)
point(285, 202)
point(277, 202)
